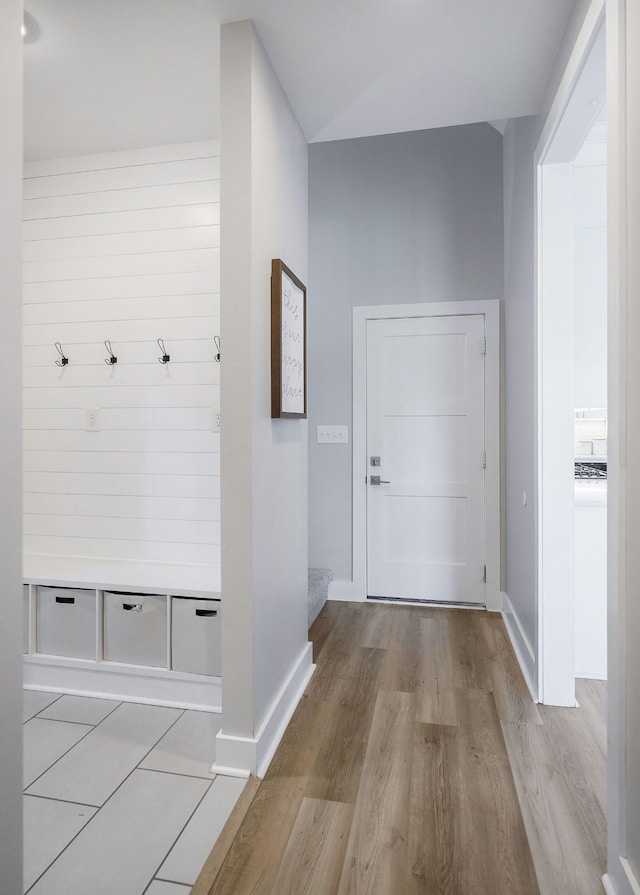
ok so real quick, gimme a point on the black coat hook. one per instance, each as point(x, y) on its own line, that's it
point(216, 356)
point(62, 361)
point(165, 358)
point(112, 359)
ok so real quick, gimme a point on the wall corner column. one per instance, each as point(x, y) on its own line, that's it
point(266, 657)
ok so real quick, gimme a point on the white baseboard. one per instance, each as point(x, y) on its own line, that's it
point(626, 882)
point(225, 771)
point(347, 591)
point(631, 883)
point(521, 646)
point(235, 756)
point(106, 680)
point(240, 756)
point(632, 879)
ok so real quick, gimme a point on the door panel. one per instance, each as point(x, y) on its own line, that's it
point(442, 439)
point(425, 420)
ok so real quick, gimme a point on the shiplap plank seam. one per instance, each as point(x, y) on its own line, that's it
point(113, 179)
point(122, 158)
point(124, 223)
point(130, 199)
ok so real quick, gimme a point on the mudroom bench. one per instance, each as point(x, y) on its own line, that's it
point(141, 632)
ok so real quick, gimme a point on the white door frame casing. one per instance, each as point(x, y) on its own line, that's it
point(356, 589)
point(553, 384)
point(623, 30)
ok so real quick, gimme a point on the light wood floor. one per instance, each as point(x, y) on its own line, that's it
point(416, 762)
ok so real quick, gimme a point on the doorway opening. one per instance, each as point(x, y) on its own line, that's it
point(571, 397)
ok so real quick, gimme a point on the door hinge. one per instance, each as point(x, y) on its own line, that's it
point(484, 345)
point(484, 575)
point(484, 459)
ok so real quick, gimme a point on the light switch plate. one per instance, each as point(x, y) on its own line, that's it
point(332, 435)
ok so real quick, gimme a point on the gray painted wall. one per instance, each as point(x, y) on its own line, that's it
point(521, 137)
point(10, 455)
point(409, 217)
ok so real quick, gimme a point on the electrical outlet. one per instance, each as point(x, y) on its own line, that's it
point(92, 419)
point(331, 435)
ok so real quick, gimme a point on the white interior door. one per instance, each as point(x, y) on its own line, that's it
point(425, 423)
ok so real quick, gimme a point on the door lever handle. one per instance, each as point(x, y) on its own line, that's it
point(376, 480)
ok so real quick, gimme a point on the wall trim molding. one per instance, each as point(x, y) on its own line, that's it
point(632, 879)
point(491, 311)
point(625, 884)
point(129, 683)
point(241, 756)
point(525, 654)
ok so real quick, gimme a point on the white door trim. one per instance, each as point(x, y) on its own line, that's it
point(622, 369)
point(356, 589)
point(553, 393)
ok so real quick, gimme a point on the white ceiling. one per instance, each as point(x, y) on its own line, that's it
point(119, 74)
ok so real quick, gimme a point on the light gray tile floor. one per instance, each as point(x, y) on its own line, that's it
point(98, 765)
point(188, 747)
point(148, 767)
point(49, 826)
point(34, 701)
point(47, 741)
point(160, 887)
point(81, 709)
point(188, 855)
point(122, 848)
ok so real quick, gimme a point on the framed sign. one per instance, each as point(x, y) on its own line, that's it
point(288, 343)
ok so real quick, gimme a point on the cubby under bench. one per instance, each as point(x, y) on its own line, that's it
point(141, 632)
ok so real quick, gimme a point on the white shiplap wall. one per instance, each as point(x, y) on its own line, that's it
point(124, 247)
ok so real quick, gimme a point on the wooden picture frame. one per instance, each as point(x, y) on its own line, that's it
point(288, 343)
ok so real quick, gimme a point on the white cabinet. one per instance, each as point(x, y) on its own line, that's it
point(125, 639)
point(195, 636)
point(66, 622)
point(135, 628)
